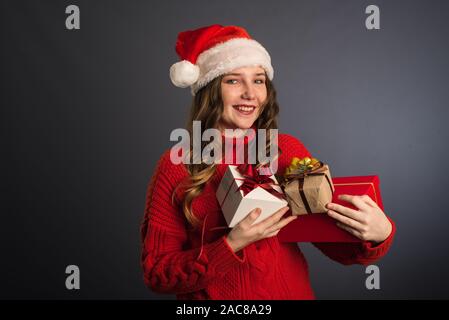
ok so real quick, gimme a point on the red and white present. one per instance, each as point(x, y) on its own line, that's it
point(243, 189)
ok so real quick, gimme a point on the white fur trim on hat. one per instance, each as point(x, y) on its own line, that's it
point(184, 73)
point(230, 55)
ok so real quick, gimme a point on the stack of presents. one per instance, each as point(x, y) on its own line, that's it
point(306, 187)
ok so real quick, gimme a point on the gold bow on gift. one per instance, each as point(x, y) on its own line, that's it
point(300, 168)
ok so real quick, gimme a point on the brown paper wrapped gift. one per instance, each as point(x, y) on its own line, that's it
point(308, 186)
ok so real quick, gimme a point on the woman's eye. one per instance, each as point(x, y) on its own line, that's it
point(234, 81)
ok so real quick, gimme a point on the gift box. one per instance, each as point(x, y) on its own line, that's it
point(308, 186)
point(242, 189)
point(322, 228)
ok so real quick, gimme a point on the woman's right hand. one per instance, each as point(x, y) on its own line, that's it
point(245, 232)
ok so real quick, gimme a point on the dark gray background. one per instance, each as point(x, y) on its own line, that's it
point(86, 114)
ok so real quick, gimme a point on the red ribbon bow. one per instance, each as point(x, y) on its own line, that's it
point(253, 179)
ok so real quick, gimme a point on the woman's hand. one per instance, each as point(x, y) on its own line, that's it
point(245, 232)
point(368, 223)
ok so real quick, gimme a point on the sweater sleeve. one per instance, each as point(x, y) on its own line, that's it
point(363, 252)
point(168, 267)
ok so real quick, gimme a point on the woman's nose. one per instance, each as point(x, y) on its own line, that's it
point(248, 92)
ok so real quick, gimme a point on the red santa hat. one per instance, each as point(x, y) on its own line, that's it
point(209, 52)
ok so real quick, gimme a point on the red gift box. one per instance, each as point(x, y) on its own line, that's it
point(319, 227)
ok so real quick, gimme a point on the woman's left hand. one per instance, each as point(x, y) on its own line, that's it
point(368, 223)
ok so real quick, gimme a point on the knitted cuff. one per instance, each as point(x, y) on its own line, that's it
point(221, 256)
point(378, 250)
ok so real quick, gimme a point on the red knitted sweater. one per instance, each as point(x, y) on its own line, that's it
point(266, 269)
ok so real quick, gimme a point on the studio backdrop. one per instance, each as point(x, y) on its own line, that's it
point(87, 108)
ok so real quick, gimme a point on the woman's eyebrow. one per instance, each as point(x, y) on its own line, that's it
point(239, 74)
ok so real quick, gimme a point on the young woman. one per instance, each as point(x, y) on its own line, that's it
point(185, 248)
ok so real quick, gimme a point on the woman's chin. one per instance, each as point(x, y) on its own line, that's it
point(244, 125)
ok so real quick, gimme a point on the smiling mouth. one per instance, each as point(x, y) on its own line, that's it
point(244, 109)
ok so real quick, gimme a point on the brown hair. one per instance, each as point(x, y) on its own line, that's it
point(207, 107)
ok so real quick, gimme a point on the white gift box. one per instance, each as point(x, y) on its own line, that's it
point(236, 206)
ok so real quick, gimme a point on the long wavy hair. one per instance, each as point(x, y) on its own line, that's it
point(207, 107)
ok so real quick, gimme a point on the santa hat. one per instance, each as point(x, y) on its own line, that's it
point(209, 52)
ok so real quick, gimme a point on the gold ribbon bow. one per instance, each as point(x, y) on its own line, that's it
point(299, 168)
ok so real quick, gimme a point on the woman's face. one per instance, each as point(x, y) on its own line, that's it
point(243, 91)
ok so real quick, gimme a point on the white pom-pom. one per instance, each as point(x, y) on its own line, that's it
point(184, 73)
